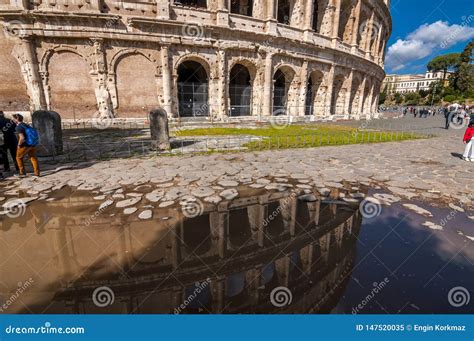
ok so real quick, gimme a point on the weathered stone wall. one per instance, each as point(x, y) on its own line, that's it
point(122, 58)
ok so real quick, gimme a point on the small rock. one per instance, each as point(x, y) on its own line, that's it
point(229, 194)
point(418, 210)
point(166, 204)
point(105, 204)
point(130, 210)
point(147, 214)
point(432, 226)
point(127, 202)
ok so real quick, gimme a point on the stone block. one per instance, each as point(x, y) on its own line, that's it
point(159, 129)
point(48, 124)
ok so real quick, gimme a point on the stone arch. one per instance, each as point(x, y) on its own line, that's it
point(117, 57)
point(136, 85)
point(192, 87)
point(13, 91)
point(241, 88)
point(205, 62)
point(285, 89)
point(48, 54)
point(71, 87)
point(339, 95)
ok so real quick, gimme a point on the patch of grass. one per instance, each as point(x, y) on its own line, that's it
point(303, 136)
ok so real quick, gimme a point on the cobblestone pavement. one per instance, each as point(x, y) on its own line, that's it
point(426, 169)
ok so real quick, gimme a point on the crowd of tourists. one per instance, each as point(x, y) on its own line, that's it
point(17, 140)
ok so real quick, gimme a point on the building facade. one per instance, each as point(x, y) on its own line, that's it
point(412, 83)
point(217, 58)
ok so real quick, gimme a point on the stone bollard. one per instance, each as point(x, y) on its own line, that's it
point(48, 124)
point(159, 129)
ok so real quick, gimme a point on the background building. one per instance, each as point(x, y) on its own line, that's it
point(195, 58)
point(412, 83)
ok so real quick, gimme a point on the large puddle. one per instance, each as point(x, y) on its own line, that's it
point(263, 252)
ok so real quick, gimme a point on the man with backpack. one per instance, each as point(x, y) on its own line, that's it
point(10, 144)
point(27, 142)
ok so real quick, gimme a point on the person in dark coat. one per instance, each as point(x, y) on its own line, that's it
point(8, 127)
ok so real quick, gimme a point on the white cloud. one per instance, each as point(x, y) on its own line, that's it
point(425, 40)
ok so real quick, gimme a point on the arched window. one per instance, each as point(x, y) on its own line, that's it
point(316, 23)
point(284, 12)
point(242, 7)
point(240, 91)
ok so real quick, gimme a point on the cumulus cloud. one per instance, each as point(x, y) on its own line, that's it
point(426, 40)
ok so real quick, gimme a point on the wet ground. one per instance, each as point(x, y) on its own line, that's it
point(350, 250)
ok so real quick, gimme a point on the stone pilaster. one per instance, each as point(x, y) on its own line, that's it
point(356, 24)
point(26, 54)
point(304, 75)
point(347, 102)
point(335, 21)
point(329, 94)
point(222, 13)
point(163, 9)
point(268, 85)
point(219, 102)
point(99, 74)
point(166, 80)
point(271, 25)
point(369, 32)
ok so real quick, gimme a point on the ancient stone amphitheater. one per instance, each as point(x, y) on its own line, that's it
point(214, 58)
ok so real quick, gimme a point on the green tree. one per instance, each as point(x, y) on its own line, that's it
point(398, 98)
point(444, 63)
point(383, 96)
point(412, 98)
point(464, 75)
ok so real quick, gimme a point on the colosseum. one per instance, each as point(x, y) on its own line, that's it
point(214, 58)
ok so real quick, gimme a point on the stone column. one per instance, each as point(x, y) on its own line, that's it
point(308, 19)
point(303, 89)
point(298, 14)
point(369, 35)
point(329, 94)
point(335, 21)
point(268, 85)
point(282, 267)
point(160, 135)
point(221, 96)
point(271, 26)
point(99, 74)
point(362, 98)
point(355, 26)
point(29, 66)
point(166, 81)
point(163, 9)
point(218, 225)
point(48, 125)
point(347, 103)
point(222, 13)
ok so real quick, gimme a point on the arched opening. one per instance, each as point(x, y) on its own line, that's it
point(137, 91)
point(72, 89)
point(284, 11)
point(192, 3)
point(339, 96)
point(242, 7)
point(282, 80)
point(193, 89)
point(240, 91)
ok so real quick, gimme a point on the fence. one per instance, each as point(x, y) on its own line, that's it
point(81, 151)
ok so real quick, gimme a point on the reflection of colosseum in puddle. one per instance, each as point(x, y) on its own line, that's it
point(157, 266)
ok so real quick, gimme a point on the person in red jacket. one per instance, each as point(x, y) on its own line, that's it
point(469, 142)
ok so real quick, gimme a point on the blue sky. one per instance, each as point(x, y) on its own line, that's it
point(423, 29)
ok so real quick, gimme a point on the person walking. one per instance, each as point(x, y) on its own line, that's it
point(469, 142)
point(1, 157)
point(27, 142)
point(7, 128)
